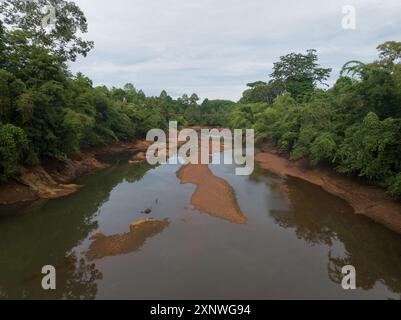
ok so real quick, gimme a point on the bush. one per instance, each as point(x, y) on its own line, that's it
point(394, 189)
point(13, 142)
point(323, 148)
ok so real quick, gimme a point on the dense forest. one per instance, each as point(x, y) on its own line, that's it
point(355, 125)
point(46, 111)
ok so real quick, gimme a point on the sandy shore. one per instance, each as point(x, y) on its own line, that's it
point(52, 178)
point(213, 194)
point(366, 200)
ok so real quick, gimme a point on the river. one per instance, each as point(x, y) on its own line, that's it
point(293, 245)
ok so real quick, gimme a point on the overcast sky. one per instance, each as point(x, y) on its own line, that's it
point(215, 47)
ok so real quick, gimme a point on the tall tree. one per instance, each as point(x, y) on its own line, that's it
point(390, 52)
point(53, 24)
point(300, 73)
point(193, 99)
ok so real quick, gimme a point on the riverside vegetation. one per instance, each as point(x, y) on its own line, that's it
point(47, 112)
point(194, 231)
point(355, 125)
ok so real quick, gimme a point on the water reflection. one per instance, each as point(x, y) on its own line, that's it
point(76, 280)
point(195, 255)
point(374, 251)
point(46, 232)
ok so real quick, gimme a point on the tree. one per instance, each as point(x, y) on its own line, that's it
point(371, 148)
point(390, 52)
point(374, 88)
point(256, 84)
point(355, 125)
point(12, 144)
point(299, 73)
point(62, 39)
point(164, 95)
point(184, 99)
point(193, 99)
point(262, 92)
point(215, 112)
point(10, 89)
point(2, 44)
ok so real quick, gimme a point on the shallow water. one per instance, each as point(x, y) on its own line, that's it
point(294, 244)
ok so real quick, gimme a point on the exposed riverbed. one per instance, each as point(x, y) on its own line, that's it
point(277, 238)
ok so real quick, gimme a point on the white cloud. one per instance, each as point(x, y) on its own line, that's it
point(215, 47)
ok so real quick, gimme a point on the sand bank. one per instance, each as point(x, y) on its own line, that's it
point(367, 200)
point(213, 194)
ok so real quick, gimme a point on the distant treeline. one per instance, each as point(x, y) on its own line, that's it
point(47, 111)
point(354, 125)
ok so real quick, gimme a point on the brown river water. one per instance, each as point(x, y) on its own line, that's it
point(290, 241)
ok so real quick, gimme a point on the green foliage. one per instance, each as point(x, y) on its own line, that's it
point(394, 189)
point(324, 147)
point(215, 112)
point(355, 125)
point(45, 111)
point(63, 39)
point(299, 73)
point(13, 142)
point(295, 73)
point(369, 148)
point(390, 53)
point(262, 92)
point(77, 125)
point(244, 115)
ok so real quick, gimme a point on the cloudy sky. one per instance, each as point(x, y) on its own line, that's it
point(215, 47)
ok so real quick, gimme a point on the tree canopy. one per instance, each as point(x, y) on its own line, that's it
point(45, 111)
point(59, 34)
point(354, 125)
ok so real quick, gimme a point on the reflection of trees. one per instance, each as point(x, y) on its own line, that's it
point(81, 282)
point(260, 175)
point(312, 211)
point(75, 280)
point(319, 218)
point(47, 232)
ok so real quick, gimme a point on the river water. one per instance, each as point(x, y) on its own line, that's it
point(296, 240)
